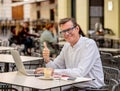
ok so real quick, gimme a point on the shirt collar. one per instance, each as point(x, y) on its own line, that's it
point(78, 43)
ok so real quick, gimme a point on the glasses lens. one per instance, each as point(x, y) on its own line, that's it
point(67, 30)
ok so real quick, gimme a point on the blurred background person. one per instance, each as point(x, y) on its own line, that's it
point(99, 32)
point(99, 28)
point(14, 37)
point(26, 39)
point(21, 36)
point(49, 35)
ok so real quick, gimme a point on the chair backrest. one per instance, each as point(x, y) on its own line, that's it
point(8, 89)
point(111, 75)
point(107, 59)
point(5, 43)
point(117, 60)
point(116, 87)
point(106, 55)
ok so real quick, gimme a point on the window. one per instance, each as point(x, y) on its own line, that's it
point(1, 1)
point(38, 14)
point(52, 15)
point(96, 13)
point(73, 8)
point(17, 1)
point(38, 4)
point(52, 1)
point(17, 12)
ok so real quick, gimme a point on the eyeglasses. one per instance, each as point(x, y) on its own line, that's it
point(69, 30)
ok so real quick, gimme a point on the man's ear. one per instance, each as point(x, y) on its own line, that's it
point(77, 28)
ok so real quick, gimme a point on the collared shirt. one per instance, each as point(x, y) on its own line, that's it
point(81, 60)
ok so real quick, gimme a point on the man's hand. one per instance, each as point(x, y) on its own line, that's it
point(39, 70)
point(46, 53)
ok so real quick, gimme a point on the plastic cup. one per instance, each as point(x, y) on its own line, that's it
point(47, 72)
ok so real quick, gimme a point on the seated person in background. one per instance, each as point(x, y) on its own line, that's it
point(26, 38)
point(99, 29)
point(14, 37)
point(21, 35)
point(78, 58)
point(49, 36)
point(99, 32)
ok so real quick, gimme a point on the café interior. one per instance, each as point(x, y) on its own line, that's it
point(99, 20)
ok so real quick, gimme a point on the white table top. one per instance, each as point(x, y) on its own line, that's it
point(19, 79)
point(7, 58)
point(112, 37)
point(114, 50)
point(6, 48)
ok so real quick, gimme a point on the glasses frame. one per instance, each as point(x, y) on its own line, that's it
point(67, 30)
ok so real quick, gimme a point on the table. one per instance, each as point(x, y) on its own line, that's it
point(3, 48)
point(111, 50)
point(7, 58)
point(113, 39)
point(16, 78)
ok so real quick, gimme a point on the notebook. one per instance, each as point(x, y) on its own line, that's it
point(20, 65)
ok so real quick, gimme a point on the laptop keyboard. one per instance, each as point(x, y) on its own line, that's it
point(30, 71)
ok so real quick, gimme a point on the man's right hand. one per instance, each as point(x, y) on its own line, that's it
point(46, 53)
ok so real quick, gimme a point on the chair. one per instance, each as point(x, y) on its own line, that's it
point(117, 60)
point(111, 78)
point(111, 74)
point(116, 87)
point(5, 43)
point(107, 59)
point(7, 87)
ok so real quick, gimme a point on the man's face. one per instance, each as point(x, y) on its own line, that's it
point(70, 32)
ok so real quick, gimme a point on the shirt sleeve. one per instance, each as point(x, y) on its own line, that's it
point(59, 62)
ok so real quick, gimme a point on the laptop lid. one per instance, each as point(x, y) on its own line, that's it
point(19, 63)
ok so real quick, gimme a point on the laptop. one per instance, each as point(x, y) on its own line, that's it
point(20, 66)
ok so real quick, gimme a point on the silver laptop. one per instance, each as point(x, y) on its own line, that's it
point(20, 65)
